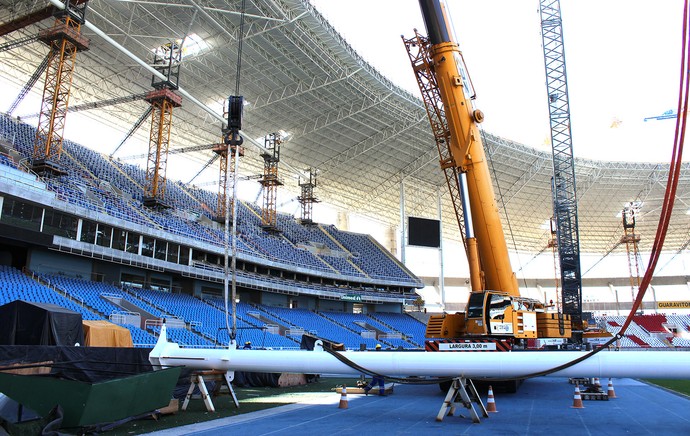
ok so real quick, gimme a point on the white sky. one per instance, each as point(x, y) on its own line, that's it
point(622, 59)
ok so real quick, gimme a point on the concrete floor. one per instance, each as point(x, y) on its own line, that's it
point(541, 406)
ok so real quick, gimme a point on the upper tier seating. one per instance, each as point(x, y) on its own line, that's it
point(367, 255)
point(109, 186)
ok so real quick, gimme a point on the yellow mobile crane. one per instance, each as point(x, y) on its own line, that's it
point(495, 309)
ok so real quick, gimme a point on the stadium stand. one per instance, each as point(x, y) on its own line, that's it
point(268, 326)
point(98, 186)
point(414, 330)
point(110, 187)
point(86, 291)
point(651, 331)
point(14, 285)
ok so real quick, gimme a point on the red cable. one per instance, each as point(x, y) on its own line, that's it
point(674, 172)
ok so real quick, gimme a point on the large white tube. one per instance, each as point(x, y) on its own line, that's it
point(649, 364)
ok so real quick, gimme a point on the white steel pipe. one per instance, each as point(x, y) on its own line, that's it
point(647, 364)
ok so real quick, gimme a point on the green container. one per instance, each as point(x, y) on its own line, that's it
point(86, 403)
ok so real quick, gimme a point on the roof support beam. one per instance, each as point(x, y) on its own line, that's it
point(180, 90)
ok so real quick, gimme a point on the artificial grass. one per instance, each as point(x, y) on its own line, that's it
point(251, 400)
point(680, 386)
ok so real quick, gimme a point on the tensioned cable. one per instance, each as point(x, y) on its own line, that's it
point(236, 150)
point(240, 39)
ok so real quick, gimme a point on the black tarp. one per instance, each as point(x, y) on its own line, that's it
point(28, 323)
point(87, 364)
point(256, 379)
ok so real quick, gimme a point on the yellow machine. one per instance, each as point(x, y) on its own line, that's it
point(495, 307)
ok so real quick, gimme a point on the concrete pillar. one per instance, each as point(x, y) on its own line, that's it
point(392, 240)
point(403, 228)
point(343, 221)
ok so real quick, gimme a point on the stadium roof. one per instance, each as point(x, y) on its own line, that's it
point(361, 132)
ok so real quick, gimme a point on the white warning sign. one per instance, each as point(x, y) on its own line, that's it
point(467, 346)
point(501, 327)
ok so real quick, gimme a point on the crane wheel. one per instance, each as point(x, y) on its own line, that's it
point(478, 116)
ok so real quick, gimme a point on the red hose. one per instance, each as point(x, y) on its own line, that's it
point(674, 172)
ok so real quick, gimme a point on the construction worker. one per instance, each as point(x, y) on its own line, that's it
point(377, 379)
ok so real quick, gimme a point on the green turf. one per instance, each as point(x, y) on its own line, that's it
point(251, 400)
point(680, 386)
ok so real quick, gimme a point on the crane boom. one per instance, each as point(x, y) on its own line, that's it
point(495, 307)
point(467, 152)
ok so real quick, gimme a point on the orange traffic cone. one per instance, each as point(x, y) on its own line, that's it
point(343, 398)
point(611, 392)
point(577, 399)
point(491, 403)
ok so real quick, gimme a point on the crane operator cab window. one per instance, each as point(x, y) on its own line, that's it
point(498, 305)
point(475, 306)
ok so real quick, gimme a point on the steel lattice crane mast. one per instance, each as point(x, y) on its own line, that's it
point(163, 99)
point(65, 40)
point(564, 191)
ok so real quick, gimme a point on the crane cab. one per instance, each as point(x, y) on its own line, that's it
point(493, 313)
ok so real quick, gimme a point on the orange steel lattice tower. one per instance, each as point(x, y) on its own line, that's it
point(65, 40)
point(631, 240)
point(163, 99)
point(270, 181)
point(307, 198)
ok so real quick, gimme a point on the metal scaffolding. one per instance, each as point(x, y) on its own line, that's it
point(270, 181)
point(163, 99)
point(65, 40)
point(631, 241)
point(307, 199)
